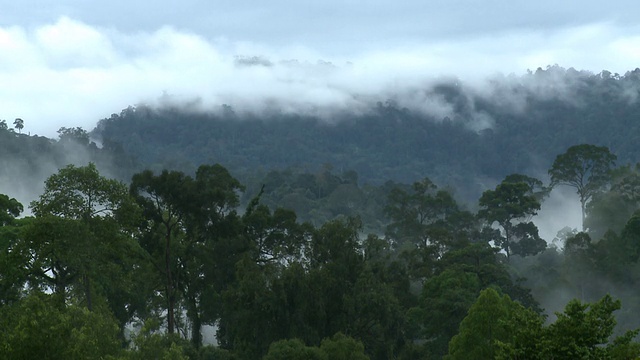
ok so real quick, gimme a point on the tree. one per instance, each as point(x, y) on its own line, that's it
point(374, 316)
point(425, 224)
point(342, 347)
point(37, 328)
point(487, 324)
point(584, 167)
point(189, 225)
point(510, 205)
point(444, 302)
point(337, 347)
point(10, 208)
point(149, 343)
point(58, 253)
point(19, 124)
point(610, 209)
point(12, 262)
point(524, 333)
point(213, 244)
point(81, 193)
point(528, 241)
point(583, 330)
point(293, 349)
point(536, 187)
point(97, 209)
point(418, 215)
point(499, 328)
point(274, 236)
point(164, 199)
point(74, 135)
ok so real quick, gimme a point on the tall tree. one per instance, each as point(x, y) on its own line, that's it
point(586, 168)
point(511, 205)
point(187, 220)
point(213, 235)
point(81, 193)
point(164, 202)
point(425, 223)
point(95, 207)
point(417, 214)
point(19, 124)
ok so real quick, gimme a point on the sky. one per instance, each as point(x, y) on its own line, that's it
point(73, 62)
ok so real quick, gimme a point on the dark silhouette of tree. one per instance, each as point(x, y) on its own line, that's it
point(510, 205)
point(585, 167)
point(19, 124)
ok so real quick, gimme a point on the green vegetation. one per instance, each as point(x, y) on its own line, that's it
point(173, 254)
point(300, 259)
point(584, 167)
point(529, 121)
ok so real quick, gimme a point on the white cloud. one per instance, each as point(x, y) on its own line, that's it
point(71, 44)
point(69, 73)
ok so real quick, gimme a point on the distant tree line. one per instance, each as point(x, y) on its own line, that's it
point(515, 125)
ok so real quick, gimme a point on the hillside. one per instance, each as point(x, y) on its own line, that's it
point(513, 124)
point(320, 245)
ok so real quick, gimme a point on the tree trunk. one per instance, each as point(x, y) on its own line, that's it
point(507, 240)
point(196, 322)
point(87, 290)
point(169, 285)
point(583, 203)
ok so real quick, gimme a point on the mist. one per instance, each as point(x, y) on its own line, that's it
point(70, 73)
point(561, 209)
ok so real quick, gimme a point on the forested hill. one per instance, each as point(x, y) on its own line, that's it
point(311, 262)
point(513, 124)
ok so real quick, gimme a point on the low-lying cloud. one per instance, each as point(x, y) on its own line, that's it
point(69, 73)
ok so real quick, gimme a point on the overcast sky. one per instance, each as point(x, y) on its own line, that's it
point(72, 62)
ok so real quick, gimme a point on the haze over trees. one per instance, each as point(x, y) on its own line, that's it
point(172, 255)
point(514, 125)
point(584, 167)
point(143, 246)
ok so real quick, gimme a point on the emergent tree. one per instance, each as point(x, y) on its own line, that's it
point(584, 167)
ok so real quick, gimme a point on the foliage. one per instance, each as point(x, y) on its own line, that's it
point(531, 119)
point(484, 325)
point(497, 327)
point(419, 217)
point(342, 347)
point(176, 253)
point(612, 208)
point(583, 329)
point(38, 328)
point(585, 167)
point(9, 209)
point(184, 220)
point(81, 234)
point(18, 123)
point(293, 350)
point(338, 347)
point(510, 205)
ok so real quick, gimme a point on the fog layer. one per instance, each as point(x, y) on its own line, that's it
point(68, 73)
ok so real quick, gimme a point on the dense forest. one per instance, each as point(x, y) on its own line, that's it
point(512, 125)
point(389, 234)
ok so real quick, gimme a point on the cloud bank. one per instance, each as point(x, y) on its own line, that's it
point(69, 73)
